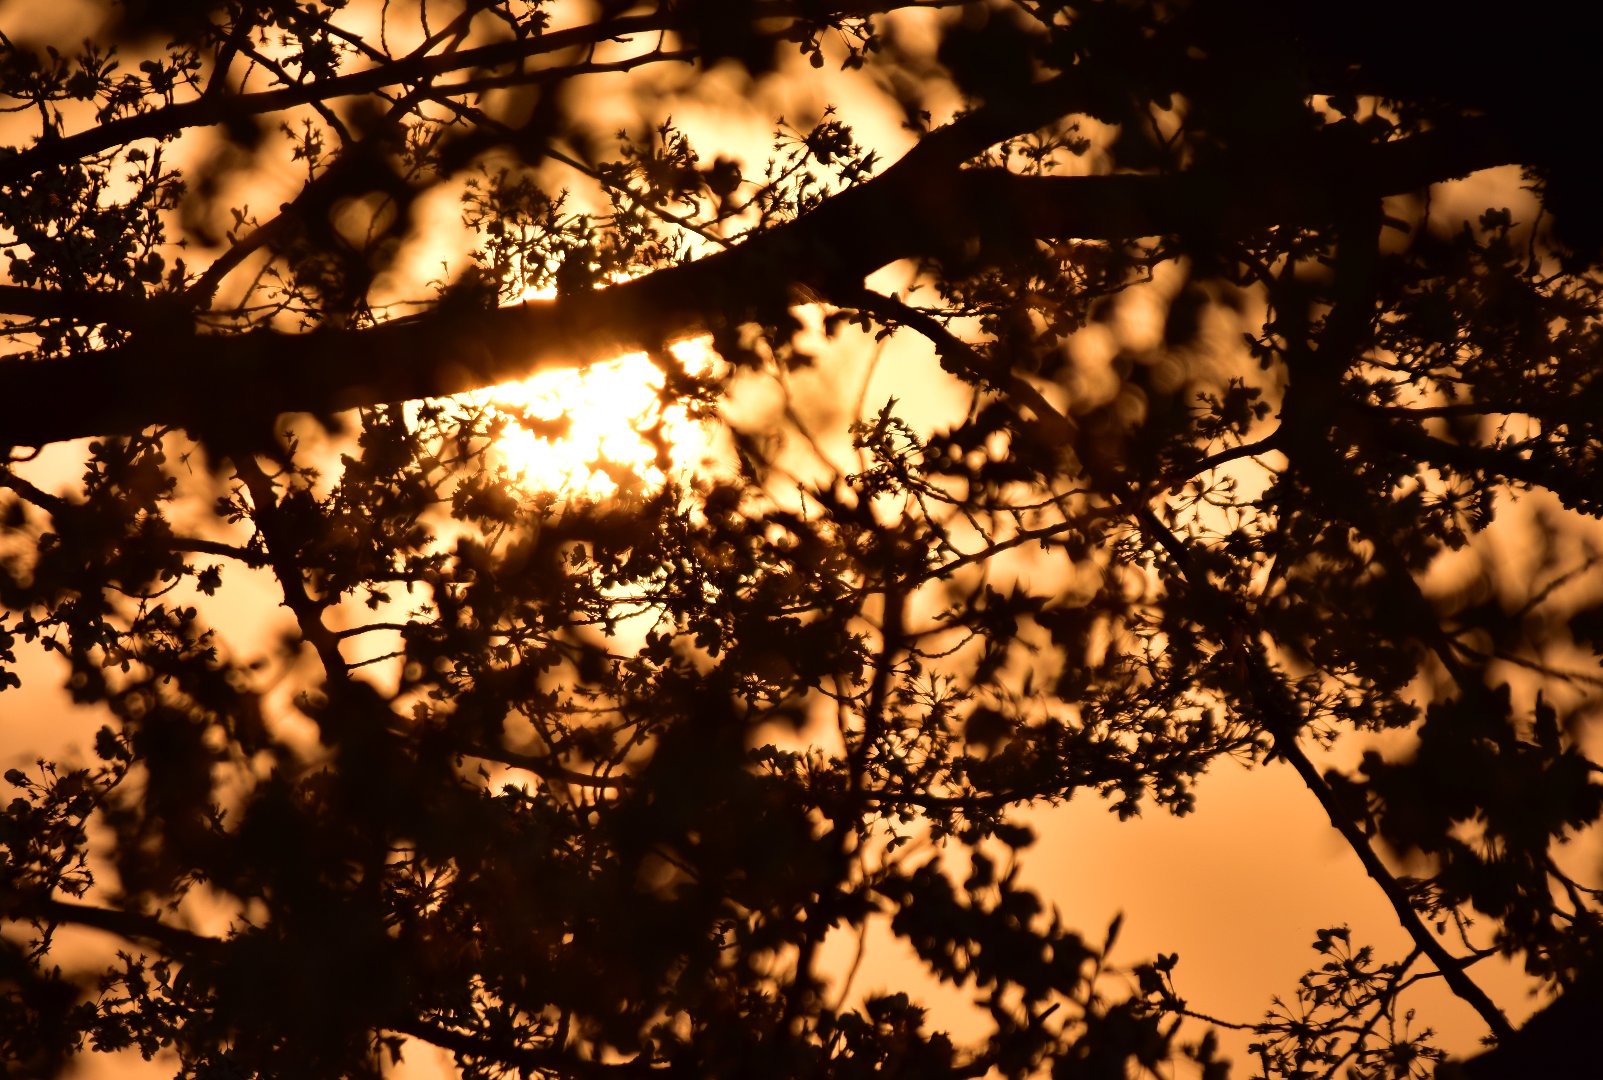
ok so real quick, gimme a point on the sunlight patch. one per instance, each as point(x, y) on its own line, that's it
point(602, 430)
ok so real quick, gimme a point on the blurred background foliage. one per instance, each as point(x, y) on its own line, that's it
point(1042, 399)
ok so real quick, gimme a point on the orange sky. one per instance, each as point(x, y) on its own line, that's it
point(1237, 889)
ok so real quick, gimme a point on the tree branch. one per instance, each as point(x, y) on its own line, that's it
point(128, 925)
point(487, 1046)
point(1225, 620)
point(923, 206)
point(212, 109)
point(1316, 370)
point(543, 766)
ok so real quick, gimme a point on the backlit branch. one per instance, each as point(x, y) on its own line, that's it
point(923, 206)
point(212, 109)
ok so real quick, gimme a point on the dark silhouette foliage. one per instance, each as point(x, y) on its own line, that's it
point(575, 786)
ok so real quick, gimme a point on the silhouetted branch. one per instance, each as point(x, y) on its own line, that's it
point(212, 109)
point(41, 498)
point(190, 545)
point(923, 206)
point(544, 766)
point(486, 1046)
point(1226, 622)
point(1315, 369)
point(88, 308)
point(1560, 1040)
point(282, 557)
point(128, 925)
point(1264, 445)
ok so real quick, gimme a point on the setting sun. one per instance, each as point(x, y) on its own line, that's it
point(591, 433)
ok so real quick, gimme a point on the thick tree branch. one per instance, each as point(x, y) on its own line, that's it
point(117, 309)
point(1560, 1040)
point(923, 206)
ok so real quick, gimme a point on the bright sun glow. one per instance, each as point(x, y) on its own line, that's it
point(614, 417)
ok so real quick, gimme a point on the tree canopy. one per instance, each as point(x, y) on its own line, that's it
point(1274, 328)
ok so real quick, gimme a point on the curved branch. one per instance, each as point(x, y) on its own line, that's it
point(1180, 477)
point(131, 926)
point(212, 109)
point(545, 767)
point(1225, 621)
point(925, 205)
point(498, 1047)
point(118, 309)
